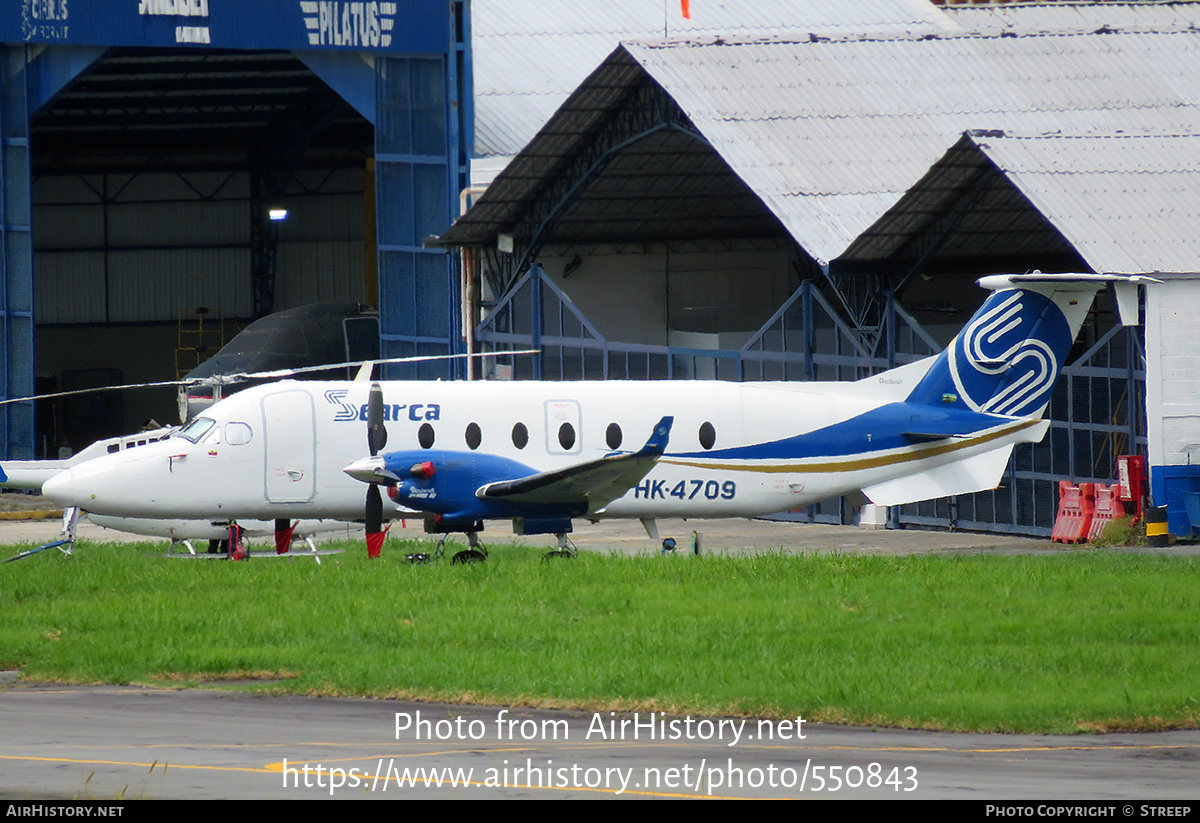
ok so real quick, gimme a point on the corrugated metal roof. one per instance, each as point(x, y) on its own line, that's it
point(830, 134)
point(1119, 203)
point(529, 57)
point(1128, 204)
point(1046, 17)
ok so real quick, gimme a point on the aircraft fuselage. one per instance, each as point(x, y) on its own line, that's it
point(279, 450)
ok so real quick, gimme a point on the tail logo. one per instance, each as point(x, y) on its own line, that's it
point(1007, 358)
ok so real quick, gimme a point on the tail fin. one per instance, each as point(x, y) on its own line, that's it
point(1006, 359)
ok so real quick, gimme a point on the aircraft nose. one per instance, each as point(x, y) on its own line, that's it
point(60, 489)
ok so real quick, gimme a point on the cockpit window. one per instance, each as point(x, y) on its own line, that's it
point(196, 429)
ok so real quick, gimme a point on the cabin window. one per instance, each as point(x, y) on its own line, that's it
point(238, 434)
point(566, 436)
point(474, 436)
point(196, 429)
point(612, 436)
point(708, 435)
point(520, 436)
point(425, 436)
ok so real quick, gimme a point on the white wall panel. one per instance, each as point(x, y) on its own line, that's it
point(186, 186)
point(319, 273)
point(179, 224)
point(637, 297)
point(166, 243)
point(158, 284)
point(74, 189)
point(1173, 372)
point(69, 287)
point(323, 217)
point(68, 227)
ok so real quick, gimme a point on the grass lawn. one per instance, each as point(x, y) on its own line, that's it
point(1079, 641)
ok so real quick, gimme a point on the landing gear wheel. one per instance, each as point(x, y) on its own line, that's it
point(475, 553)
point(566, 549)
point(418, 558)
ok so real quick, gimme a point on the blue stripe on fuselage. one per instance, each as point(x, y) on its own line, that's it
point(878, 430)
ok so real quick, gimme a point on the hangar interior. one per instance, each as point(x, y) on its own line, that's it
point(153, 156)
point(152, 176)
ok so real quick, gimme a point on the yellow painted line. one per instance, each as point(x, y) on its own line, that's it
point(639, 792)
point(278, 767)
point(165, 764)
point(271, 769)
point(854, 464)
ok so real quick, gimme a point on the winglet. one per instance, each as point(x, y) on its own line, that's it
point(657, 444)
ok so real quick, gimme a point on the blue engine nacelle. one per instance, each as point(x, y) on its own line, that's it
point(445, 482)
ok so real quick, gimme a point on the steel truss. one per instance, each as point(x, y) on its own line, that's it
point(642, 111)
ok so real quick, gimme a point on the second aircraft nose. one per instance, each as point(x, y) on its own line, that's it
point(60, 489)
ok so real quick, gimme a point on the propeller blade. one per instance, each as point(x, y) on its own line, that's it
point(261, 375)
point(376, 440)
point(374, 513)
point(93, 391)
point(421, 358)
point(374, 519)
point(376, 431)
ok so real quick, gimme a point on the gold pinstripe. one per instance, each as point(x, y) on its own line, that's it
point(858, 463)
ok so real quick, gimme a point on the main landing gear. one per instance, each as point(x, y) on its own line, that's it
point(476, 553)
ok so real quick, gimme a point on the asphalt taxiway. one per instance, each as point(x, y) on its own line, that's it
point(104, 743)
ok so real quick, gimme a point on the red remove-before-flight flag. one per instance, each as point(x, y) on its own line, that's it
point(685, 7)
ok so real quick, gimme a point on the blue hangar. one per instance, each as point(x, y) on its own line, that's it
point(144, 144)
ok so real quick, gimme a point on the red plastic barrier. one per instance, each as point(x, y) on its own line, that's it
point(1075, 506)
point(1108, 508)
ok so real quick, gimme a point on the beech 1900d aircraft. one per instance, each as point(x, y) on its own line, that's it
point(542, 453)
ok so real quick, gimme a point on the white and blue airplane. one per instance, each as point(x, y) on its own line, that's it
point(544, 453)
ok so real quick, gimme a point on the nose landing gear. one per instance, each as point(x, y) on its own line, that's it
point(566, 549)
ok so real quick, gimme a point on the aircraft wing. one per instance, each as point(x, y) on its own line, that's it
point(29, 474)
point(596, 482)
